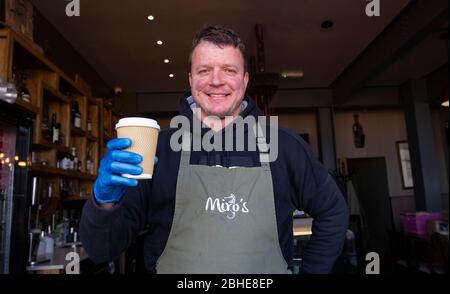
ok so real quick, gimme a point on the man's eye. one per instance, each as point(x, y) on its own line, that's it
point(230, 70)
point(203, 71)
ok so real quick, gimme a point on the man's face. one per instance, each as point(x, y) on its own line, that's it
point(217, 79)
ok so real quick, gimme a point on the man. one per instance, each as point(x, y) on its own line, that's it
point(216, 211)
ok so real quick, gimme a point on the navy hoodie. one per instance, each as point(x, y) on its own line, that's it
point(299, 182)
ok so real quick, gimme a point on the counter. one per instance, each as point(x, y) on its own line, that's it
point(302, 226)
point(57, 262)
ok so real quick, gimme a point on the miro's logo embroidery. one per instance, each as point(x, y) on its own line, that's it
point(228, 205)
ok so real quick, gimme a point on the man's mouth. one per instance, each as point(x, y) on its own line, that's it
point(218, 95)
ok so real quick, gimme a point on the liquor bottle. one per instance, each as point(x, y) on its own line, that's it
point(45, 128)
point(89, 163)
point(61, 135)
point(74, 159)
point(55, 129)
point(89, 125)
point(76, 115)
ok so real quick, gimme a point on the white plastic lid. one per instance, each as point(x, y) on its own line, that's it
point(137, 122)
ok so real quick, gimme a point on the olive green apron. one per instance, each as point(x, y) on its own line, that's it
point(224, 220)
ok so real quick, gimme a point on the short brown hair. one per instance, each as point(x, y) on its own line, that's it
point(219, 36)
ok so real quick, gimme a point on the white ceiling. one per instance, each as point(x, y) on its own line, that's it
point(116, 38)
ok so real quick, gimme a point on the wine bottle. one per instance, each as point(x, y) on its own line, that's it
point(76, 115)
point(55, 129)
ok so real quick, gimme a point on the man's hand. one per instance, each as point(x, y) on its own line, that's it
point(110, 185)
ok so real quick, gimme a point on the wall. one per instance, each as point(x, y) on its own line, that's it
point(126, 103)
point(383, 128)
point(302, 122)
point(158, 102)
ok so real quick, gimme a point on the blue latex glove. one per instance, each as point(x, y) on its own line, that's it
point(110, 185)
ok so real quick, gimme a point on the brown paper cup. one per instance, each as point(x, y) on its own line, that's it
point(143, 133)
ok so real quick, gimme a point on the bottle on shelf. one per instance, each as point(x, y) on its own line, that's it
point(54, 129)
point(89, 125)
point(74, 159)
point(49, 241)
point(45, 127)
point(42, 245)
point(65, 160)
point(76, 115)
point(64, 188)
point(89, 163)
point(61, 139)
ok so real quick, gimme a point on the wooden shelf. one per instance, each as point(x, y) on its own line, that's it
point(52, 91)
point(77, 132)
point(108, 105)
point(92, 100)
point(91, 138)
point(27, 106)
point(54, 171)
point(54, 94)
point(45, 145)
point(74, 198)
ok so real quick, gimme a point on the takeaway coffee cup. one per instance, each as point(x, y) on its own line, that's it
point(143, 133)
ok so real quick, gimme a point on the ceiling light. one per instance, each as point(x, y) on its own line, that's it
point(159, 42)
point(171, 75)
point(166, 60)
point(150, 17)
point(445, 103)
point(292, 74)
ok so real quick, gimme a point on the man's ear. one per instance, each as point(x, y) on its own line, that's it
point(246, 79)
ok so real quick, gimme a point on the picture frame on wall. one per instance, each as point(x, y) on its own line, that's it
point(405, 164)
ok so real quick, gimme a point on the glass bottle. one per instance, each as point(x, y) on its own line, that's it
point(45, 127)
point(76, 115)
point(55, 129)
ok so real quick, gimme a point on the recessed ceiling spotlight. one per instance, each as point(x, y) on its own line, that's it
point(327, 24)
point(292, 74)
point(150, 17)
point(166, 60)
point(171, 75)
point(159, 42)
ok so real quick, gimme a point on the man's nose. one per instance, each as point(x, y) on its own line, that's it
point(216, 78)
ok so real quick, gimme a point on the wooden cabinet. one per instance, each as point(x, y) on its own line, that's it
point(53, 93)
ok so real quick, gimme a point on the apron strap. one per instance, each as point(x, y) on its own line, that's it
point(185, 149)
point(261, 144)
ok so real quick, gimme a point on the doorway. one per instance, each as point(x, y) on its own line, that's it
point(369, 178)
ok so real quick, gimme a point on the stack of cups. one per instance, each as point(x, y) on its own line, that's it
point(143, 133)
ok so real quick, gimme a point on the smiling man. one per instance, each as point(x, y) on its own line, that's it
point(216, 211)
point(218, 77)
